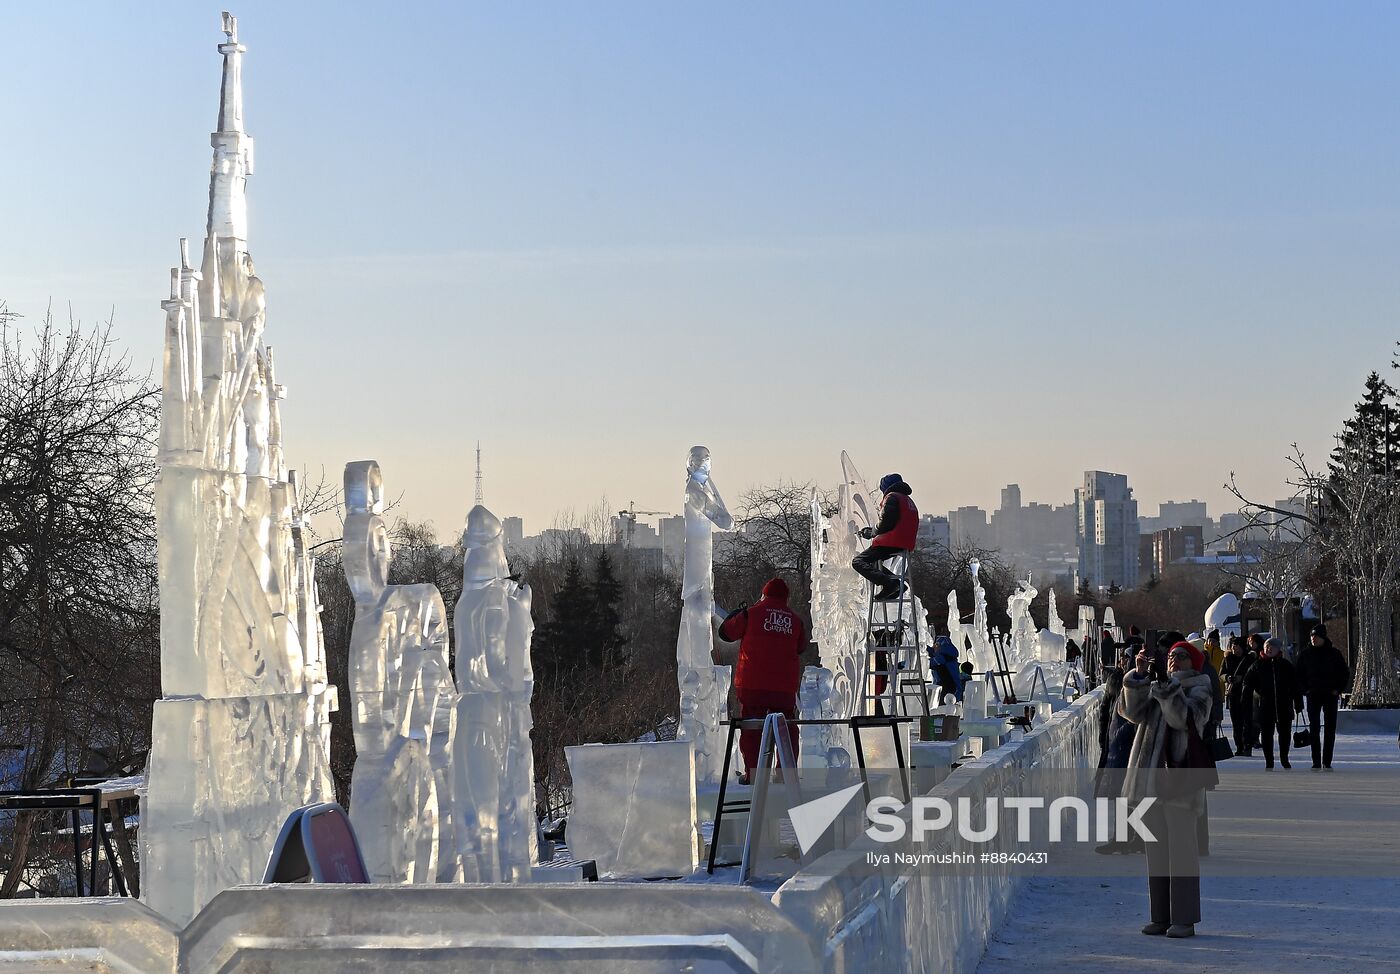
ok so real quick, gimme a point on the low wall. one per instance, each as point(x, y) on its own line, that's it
point(1379, 721)
point(632, 928)
point(899, 919)
point(837, 915)
point(103, 935)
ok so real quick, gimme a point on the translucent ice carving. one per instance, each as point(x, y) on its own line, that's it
point(242, 736)
point(704, 687)
point(493, 767)
point(403, 699)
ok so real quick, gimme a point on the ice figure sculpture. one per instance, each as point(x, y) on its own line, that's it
point(493, 765)
point(1022, 638)
point(704, 687)
point(978, 637)
point(242, 735)
point(403, 701)
point(1055, 624)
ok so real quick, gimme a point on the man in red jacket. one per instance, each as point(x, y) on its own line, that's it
point(897, 531)
point(771, 637)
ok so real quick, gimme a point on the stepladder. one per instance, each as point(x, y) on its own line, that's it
point(894, 678)
point(775, 754)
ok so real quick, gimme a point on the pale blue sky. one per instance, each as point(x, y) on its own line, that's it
point(1160, 240)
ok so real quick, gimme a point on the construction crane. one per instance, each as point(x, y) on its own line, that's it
point(629, 520)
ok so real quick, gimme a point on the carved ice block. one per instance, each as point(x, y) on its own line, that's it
point(218, 791)
point(634, 808)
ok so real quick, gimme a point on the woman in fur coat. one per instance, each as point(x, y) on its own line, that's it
point(1168, 707)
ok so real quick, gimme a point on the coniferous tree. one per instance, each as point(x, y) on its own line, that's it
point(604, 637)
point(559, 647)
point(1373, 432)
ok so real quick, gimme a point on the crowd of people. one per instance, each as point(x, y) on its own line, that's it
point(1163, 712)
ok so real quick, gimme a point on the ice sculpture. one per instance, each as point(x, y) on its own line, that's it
point(823, 745)
point(1055, 624)
point(242, 735)
point(493, 765)
point(704, 687)
point(403, 701)
point(980, 640)
point(1021, 642)
point(841, 599)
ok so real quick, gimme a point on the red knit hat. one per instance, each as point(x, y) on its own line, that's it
point(1198, 658)
point(776, 589)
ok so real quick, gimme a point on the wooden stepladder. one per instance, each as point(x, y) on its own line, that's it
point(894, 672)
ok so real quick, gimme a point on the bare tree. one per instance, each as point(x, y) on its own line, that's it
point(1350, 514)
point(79, 636)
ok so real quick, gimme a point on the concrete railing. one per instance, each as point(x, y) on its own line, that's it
point(862, 917)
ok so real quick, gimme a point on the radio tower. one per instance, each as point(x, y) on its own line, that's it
point(478, 472)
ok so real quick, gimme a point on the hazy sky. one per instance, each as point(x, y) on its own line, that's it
point(973, 244)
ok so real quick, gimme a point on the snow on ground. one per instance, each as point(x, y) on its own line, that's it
point(1273, 924)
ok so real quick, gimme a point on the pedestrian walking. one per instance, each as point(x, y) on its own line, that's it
point(1235, 671)
point(1273, 687)
point(1324, 675)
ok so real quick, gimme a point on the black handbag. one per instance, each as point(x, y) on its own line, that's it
point(1220, 747)
point(1301, 738)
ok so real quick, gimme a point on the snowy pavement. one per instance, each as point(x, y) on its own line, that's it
point(1274, 924)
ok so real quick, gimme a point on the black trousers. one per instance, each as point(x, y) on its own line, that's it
point(1173, 864)
point(1322, 705)
point(867, 564)
point(1270, 724)
point(1242, 720)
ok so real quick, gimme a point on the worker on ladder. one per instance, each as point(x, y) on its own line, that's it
point(770, 637)
point(897, 532)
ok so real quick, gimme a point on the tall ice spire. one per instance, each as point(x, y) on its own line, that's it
point(233, 147)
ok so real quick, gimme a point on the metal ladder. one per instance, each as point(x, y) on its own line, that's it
point(1005, 691)
point(773, 746)
point(893, 671)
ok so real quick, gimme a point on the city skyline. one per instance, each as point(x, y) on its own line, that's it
point(1136, 287)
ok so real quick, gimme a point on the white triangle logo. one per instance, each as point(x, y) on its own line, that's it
point(810, 820)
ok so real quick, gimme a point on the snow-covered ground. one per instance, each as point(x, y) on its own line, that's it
point(1273, 924)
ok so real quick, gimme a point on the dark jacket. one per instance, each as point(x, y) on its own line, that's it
point(1235, 670)
point(1275, 688)
point(1115, 738)
point(1323, 670)
point(899, 519)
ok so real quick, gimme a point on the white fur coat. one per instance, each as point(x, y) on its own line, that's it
point(1161, 712)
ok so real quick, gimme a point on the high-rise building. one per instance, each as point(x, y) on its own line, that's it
point(513, 530)
point(968, 526)
point(1108, 531)
point(1008, 523)
point(934, 532)
point(1181, 514)
point(672, 540)
point(1173, 545)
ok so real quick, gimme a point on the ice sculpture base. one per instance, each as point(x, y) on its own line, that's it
point(215, 764)
point(621, 928)
point(634, 808)
point(101, 935)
